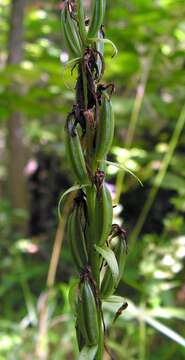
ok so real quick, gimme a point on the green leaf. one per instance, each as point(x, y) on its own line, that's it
point(122, 167)
point(173, 182)
point(106, 41)
point(165, 330)
point(110, 258)
point(72, 62)
point(168, 313)
point(142, 314)
point(68, 191)
point(88, 352)
point(114, 299)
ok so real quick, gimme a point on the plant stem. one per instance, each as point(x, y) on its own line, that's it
point(42, 337)
point(159, 178)
point(99, 355)
point(56, 252)
point(133, 121)
point(142, 337)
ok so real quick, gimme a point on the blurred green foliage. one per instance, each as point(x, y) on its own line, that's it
point(149, 76)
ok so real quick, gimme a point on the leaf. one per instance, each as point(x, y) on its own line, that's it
point(110, 258)
point(142, 314)
point(69, 74)
point(114, 299)
point(88, 352)
point(68, 191)
point(72, 62)
point(168, 313)
point(172, 182)
point(106, 41)
point(165, 330)
point(123, 168)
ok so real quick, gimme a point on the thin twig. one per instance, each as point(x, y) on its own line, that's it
point(140, 92)
point(159, 178)
point(42, 340)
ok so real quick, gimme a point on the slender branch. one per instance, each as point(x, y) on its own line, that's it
point(56, 252)
point(159, 178)
point(42, 339)
point(133, 121)
point(142, 338)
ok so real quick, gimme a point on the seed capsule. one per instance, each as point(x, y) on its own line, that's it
point(77, 239)
point(81, 21)
point(80, 338)
point(103, 214)
point(71, 34)
point(87, 316)
point(97, 17)
point(76, 156)
point(105, 129)
point(108, 284)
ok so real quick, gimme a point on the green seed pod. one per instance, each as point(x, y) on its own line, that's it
point(103, 214)
point(77, 239)
point(81, 21)
point(80, 338)
point(87, 316)
point(105, 129)
point(76, 156)
point(71, 34)
point(97, 17)
point(108, 285)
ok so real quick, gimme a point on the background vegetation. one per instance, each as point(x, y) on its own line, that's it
point(36, 92)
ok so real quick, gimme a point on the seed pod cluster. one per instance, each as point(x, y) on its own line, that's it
point(89, 135)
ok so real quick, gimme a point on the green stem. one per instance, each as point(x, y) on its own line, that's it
point(159, 178)
point(81, 21)
point(142, 338)
point(133, 122)
point(99, 355)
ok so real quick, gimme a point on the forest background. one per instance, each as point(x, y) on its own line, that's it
point(36, 93)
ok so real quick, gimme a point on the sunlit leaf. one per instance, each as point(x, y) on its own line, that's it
point(109, 256)
point(122, 167)
point(68, 191)
point(88, 352)
point(173, 335)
